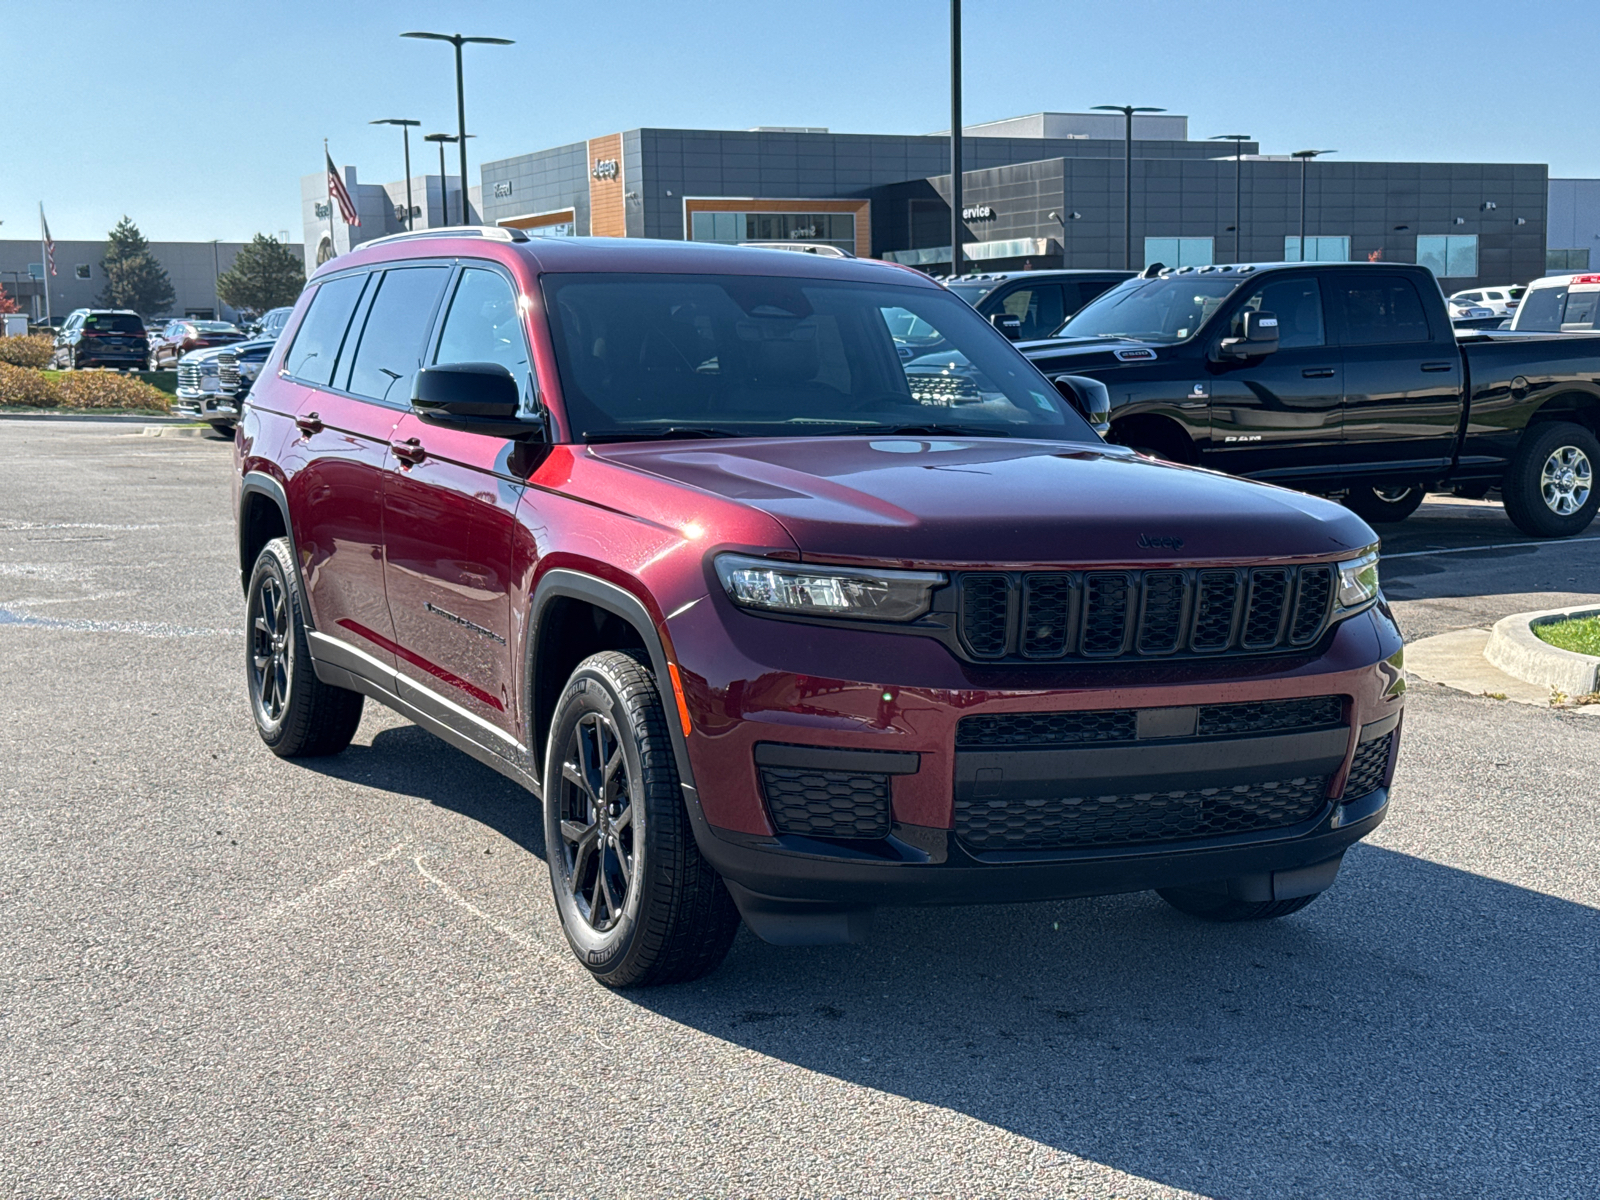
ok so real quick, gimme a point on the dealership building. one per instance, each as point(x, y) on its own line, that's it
point(193, 268)
point(1044, 190)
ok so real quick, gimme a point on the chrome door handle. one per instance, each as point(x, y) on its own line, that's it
point(409, 451)
point(308, 423)
point(1318, 372)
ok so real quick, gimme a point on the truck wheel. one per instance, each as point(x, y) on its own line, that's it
point(297, 715)
point(638, 903)
point(1384, 506)
point(1550, 490)
point(1216, 906)
point(222, 429)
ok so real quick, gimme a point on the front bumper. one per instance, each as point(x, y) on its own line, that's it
point(205, 406)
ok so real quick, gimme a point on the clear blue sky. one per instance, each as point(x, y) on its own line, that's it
point(198, 119)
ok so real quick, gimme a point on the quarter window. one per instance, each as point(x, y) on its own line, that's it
point(393, 334)
point(1298, 305)
point(316, 345)
point(1381, 311)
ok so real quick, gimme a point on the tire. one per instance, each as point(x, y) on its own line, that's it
point(673, 920)
point(1550, 490)
point(1384, 506)
point(297, 715)
point(222, 429)
point(1217, 906)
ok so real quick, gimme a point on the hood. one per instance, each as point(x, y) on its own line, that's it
point(1084, 353)
point(992, 500)
point(207, 355)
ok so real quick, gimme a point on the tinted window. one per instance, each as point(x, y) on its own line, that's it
point(1039, 309)
point(1541, 309)
point(316, 345)
point(1088, 289)
point(1298, 305)
point(483, 325)
point(761, 356)
point(1381, 311)
point(1168, 309)
point(113, 323)
point(394, 332)
point(1580, 311)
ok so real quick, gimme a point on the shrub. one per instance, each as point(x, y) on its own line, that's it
point(32, 351)
point(22, 388)
point(107, 389)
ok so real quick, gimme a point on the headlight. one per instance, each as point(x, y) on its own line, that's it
point(826, 591)
point(1358, 579)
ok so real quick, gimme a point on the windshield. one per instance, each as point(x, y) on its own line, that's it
point(971, 292)
point(113, 323)
point(1152, 310)
point(757, 356)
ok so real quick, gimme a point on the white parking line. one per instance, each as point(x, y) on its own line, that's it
point(1495, 546)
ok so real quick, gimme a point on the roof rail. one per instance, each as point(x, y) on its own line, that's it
point(500, 233)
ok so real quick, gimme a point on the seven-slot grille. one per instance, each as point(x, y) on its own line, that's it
point(189, 376)
point(1043, 615)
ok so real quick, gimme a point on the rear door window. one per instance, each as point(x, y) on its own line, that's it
point(316, 345)
point(395, 332)
point(1380, 311)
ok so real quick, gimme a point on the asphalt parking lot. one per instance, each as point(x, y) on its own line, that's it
point(230, 975)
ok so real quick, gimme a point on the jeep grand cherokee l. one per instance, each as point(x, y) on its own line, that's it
point(663, 532)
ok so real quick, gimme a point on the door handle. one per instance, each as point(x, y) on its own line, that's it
point(1438, 366)
point(1318, 372)
point(308, 423)
point(409, 451)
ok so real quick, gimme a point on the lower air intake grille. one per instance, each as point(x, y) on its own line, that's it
point(836, 804)
point(1368, 768)
point(1047, 729)
point(1074, 822)
point(1269, 716)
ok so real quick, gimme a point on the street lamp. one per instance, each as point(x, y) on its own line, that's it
point(405, 130)
point(444, 180)
point(956, 223)
point(1238, 140)
point(1305, 156)
point(216, 275)
point(457, 40)
point(1127, 110)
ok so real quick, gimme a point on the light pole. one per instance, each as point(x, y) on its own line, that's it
point(457, 40)
point(956, 223)
point(1238, 140)
point(216, 275)
point(1127, 110)
point(405, 130)
point(1305, 156)
point(444, 180)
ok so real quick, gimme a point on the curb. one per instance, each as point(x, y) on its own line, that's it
point(1515, 649)
point(192, 431)
point(83, 416)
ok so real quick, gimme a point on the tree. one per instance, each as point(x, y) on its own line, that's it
point(134, 277)
point(7, 304)
point(265, 274)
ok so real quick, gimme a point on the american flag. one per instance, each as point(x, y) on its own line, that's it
point(49, 243)
point(336, 189)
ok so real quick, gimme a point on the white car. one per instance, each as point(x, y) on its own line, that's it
point(1560, 304)
point(1501, 300)
point(1465, 310)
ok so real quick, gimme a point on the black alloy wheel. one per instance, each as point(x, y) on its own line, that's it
point(296, 714)
point(1385, 505)
point(637, 902)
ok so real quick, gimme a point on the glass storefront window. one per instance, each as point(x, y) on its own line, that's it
point(1319, 248)
point(732, 228)
point(1178, 251)
point(1560, 261)
point(1449, 256)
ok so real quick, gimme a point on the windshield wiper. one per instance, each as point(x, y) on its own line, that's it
point(957, 430)
point(654, 433)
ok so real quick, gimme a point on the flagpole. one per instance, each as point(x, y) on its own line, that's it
point(333, 250)
point(44, 264)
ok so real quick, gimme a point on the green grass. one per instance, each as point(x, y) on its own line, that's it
point(1581, 636)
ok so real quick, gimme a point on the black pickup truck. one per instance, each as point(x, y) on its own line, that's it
point(1343, 379)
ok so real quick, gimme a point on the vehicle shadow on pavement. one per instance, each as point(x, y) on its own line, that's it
point(410, 761)
point(1419, 1031)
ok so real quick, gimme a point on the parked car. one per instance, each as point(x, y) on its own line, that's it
point(1560, 304)
point(100, 337)
point(1466, 315)
point(180, 337)
point(272, 323)
point(1344, 378)
point(669, 537)
point(1039, 300)
point(1502, 300)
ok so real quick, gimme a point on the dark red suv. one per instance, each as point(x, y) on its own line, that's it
point(780, 621)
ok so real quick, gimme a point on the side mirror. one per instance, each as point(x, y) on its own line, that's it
point(1090, 397)
point(1259, 336)
point(1009, 324)
point(474, 397)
